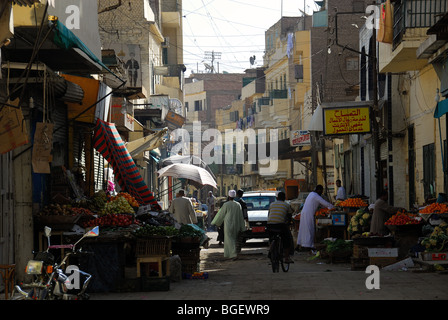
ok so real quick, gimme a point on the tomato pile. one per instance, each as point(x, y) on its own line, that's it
point(402, 218)
point(435, 208)
point(119, 220)
point(323, 212)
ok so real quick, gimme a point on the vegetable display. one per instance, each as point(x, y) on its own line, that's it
point(438, 239)
point(402, 218)
point(151, 230)
point(360, 222)
point(118, 220)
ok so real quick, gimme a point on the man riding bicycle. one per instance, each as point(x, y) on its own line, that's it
point(279, 218)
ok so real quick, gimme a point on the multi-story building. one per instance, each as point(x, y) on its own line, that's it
point(145, 37)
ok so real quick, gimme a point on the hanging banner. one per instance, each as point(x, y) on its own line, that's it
point(42, 146)
point(386, 28)
point(350, 120)
point(13, 132)
point(108, 142)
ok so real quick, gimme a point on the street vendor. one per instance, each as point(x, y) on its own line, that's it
point(382, 211)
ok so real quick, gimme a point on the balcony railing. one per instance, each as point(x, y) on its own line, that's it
point(415, 14)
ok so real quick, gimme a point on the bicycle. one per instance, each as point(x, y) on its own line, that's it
point(276, 254)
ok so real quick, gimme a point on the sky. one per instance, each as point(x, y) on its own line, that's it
point(233, 30)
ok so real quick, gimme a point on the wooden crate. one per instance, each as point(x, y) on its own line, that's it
point(360, 252)
point(153, 246)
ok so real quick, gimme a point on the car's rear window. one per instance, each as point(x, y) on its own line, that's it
point(258, 202)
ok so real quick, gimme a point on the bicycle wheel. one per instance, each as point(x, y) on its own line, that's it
point(274, 255)
point(285, 265)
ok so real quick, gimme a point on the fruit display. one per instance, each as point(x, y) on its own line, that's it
point(129, 198)
point(353, 203)
point(81, 211)
point(56, 210)
point(402, 218)
point(435, 208)
point(360, 222)
point(116, 206)
point(119, 220)
point(438, 239)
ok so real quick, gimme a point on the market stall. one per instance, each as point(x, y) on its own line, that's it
point(137, 244)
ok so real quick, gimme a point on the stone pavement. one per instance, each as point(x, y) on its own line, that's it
point(250, 278)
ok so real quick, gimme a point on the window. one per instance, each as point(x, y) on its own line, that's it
point(198, 105)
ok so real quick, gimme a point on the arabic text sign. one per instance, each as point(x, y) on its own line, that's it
point(300, 138)
point(346, 120)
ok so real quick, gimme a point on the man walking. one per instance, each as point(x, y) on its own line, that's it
point(232, 216)
point(279, 217)
point(182, 209)
point(210, 202)
point(305, 238)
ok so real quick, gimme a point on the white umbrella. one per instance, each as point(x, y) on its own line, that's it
point(196, 174)
point(190, 159)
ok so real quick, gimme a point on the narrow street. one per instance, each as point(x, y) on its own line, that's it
point(250, 278)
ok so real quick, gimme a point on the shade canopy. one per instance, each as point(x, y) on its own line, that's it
point(199, 176)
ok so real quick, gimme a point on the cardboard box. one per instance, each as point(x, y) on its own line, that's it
point(383, 252)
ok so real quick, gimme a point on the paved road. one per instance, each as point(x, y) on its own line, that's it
point(250, 278)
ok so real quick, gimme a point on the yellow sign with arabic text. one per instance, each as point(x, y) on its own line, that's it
point(351, 120)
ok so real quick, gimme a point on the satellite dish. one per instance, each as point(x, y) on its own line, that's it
point(252, 60)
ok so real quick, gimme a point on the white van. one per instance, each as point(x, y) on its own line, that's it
point(258, 203)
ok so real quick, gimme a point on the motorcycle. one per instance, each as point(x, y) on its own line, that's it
point(50, 281)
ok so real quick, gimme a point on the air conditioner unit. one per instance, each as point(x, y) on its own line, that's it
point(166, 43)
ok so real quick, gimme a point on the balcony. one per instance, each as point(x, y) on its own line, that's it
point(412, 18)
point(171, 14)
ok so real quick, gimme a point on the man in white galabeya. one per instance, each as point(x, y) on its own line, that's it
point(305, 238)
point(231, 215)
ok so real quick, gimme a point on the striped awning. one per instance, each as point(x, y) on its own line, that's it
point(108, 142)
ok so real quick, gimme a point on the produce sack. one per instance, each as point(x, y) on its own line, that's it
point(13, 132)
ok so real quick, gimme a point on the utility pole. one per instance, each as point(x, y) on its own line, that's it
point(212, 55)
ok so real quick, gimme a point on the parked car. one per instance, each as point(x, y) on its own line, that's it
point(258, 203)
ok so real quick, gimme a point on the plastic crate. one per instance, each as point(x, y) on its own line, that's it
point(338, 219)
point(156, 245)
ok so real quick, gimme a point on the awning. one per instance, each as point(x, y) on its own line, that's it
point(441, 108)
point(147, 143)
point(108, 142)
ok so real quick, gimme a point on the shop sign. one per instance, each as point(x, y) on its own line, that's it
point(300, 138)
point(346, 120)
point(121, 118)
